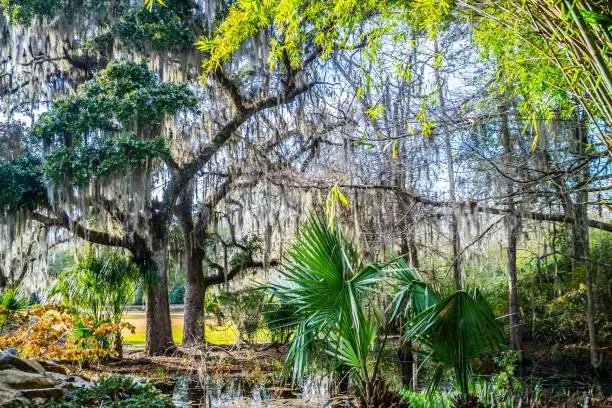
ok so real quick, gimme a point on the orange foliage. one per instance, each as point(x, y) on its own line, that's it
point(53, 332)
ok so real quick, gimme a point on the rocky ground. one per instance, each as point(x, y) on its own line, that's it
point(23, 380)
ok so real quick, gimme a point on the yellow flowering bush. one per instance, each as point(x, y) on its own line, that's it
point(53, 332)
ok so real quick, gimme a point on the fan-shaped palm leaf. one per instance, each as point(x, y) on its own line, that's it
point(325, 279)
point(413, 294)
point(457, 329)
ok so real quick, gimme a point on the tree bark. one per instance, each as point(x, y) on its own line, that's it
point(194, 235)
point(580, 241)
point(513, 225)
point(450, 168)
point(193, 332)
point(157, 311)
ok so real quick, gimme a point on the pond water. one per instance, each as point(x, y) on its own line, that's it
point(214, 392)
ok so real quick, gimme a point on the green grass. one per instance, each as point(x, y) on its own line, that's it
point(225, 334)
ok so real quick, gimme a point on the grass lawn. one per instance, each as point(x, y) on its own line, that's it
point(226, 334)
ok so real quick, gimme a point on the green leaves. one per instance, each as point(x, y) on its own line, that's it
point(325, 280)
point(22, 183)
point(103, 157)
point(100, 286)
point(457, 329)
point(295, 24)
point(413, 295)
point(115, 391)
point(109, 123)
point(593, 17)
point(160, 29)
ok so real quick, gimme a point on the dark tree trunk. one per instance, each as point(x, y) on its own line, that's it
point(406, 361)
point(193, 332)
point(119, 344)
point(157, 312)
point(193, 323)
point(580, 240)
point(513, 311)
point(513, 226)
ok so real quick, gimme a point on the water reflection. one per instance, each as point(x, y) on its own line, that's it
point(214, 392)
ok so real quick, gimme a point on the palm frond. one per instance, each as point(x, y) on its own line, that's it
point(325, 281)
point(458, 328)
point(413, 295)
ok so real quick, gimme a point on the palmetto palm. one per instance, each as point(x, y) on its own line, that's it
point(99, 287)
point(12, 301)
point(457, 329)
point(326, 281)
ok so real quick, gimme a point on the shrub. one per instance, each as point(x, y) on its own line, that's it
point(53, 331)
point(115, 391)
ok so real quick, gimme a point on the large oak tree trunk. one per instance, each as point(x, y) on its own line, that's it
point(158, 326)
point(193, 332)
point(193, 237)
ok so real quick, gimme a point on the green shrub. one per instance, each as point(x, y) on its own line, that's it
point(114, 392)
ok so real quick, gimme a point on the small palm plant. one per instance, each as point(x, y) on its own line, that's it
point(327, 283)
point(325, 280)
point(12, 301)
point(457, 329)
point(99, 288)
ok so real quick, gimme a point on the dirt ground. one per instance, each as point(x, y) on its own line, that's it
point(235, 360)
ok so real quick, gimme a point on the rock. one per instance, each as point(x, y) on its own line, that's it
point(67, 381)
point(14, 402)
point(9, 361)
point(20, 380)
point(36, 365)
point(11, 398)
point(46, 393)
point(25, 380)
point(52, 366)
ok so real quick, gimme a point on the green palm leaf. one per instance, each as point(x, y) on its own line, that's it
point(413, 294)
point(325, 280)
point(457, 329)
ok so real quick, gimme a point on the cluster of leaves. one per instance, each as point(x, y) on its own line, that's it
point(296, 25)
point(53, 331)
point(22, 183)
point(278, 318)
point(161, 29)
point(22, 12)
point(100, 158)
point(98, 286)
point(114, 391)
point(125, 95)
point(245, 309)
point(12, 302)
point(522, 69)
point(109, 123)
